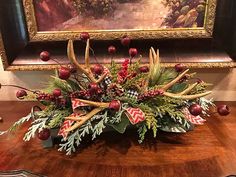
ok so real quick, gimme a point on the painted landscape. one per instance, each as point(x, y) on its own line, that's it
point(77, 15)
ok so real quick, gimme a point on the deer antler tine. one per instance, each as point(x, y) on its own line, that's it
point(187, 90)
point(87, 60)
point(84, 119)
point(157, 57)
point(186, 97)
point(153, 54)
point(150, 59)
point(96, 104)
point(170, 84)
point(71, 55)
point(73, 118)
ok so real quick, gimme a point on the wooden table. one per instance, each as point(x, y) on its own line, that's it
point(208, 151)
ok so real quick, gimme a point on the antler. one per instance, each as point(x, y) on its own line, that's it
point(154, 71)
point(86, 69)
point(82, 119)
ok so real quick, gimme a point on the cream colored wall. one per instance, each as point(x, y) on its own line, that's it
point(224, 81)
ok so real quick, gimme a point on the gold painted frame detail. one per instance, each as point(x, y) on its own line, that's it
point(3, 56)
point(205, 32)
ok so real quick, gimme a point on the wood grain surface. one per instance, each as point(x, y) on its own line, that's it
point(208, 151)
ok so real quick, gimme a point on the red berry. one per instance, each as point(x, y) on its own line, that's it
point(64, 73)
point(179, 67)
point(111, 49)
point(20, 94)
point(44, 56)
point(115, 105)
point(93, 88)
point(195, 109)
point(125, 41)
point(223, 110)
point(44, 134)
point(133, 52)
point(97, 69)
point(143, 69)
point(84, 36)
point(56, 92)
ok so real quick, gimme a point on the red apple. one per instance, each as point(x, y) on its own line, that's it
point(144, 69)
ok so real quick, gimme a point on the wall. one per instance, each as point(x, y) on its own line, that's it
point(223, 80)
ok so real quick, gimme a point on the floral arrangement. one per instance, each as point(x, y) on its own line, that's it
point(83, 100)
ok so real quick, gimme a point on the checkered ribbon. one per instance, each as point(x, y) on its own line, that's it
point(135, 115)
point(77, 103)
point(193, 119)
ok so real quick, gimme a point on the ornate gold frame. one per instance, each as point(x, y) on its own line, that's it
point(3, 56)
point(204, 32)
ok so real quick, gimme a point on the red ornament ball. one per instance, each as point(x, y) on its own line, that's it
point(144, 69)
point(44, 134)
point(72, 69)
point(133, 52)
point(97, 69)
point(115, 105)
point(56, 92)
point(84, 36)
point(20, 94)
point(125, 41)
point(93, 88)
point(179, 67)
point(111, 49)
point(44, 56)
point(223, 110)
point(195, 109)
point(64, 73)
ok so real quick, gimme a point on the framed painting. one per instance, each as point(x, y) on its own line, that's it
point(112, 19)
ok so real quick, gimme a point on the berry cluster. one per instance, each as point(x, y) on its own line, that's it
point(45, 97)
point(150, 94)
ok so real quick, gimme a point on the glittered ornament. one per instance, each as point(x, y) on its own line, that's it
point(57, 92)
point(111, 49)
point(144, 69)
point(195, 109)
point(84, 36)
point(97, 69)
point(20, 94)
point(179, 67)
point(115, 105)
point(125, 41)
point(44, 56)
point(44, 134)
point(133, 52)
point(64, 73)
point(223, 110)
